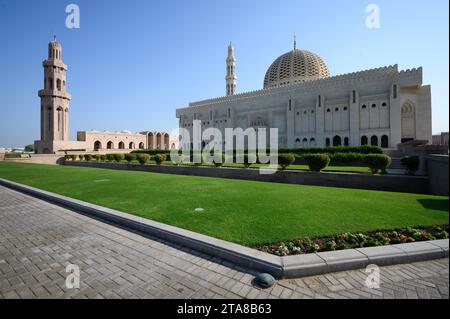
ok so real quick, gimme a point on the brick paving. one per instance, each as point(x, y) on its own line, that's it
point(38, 240)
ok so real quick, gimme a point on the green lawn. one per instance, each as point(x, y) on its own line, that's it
point(245, 212)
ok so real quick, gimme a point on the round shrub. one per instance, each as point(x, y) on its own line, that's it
point(103, 158)
point(87, 157)
point(284, 160)
point(411, 163)
point(160, 158)
point(317, 162)
point(377, 162)
point(110, 157)
point(143, 158)
point(119, 157)
point(130, 157)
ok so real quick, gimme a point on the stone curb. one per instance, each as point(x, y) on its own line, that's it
point(279, 267)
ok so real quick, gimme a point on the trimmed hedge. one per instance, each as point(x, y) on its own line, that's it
point(284, 160)
point(411, 163)
point(130, 157)
point(377, 162)
point(143, 158)
point(365, 149)
point(347, 157)
point(317, 162)
point(160, 158)
point(119, 157)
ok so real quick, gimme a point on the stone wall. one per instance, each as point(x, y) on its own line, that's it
point(393, 183)
point(50, 159)
point(438, 174)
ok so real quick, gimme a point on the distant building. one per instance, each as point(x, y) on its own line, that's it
point(55, 119)
point(441, 139)
point(384, 106)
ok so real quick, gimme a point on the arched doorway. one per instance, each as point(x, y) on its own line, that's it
point(110, 145)
point(374, 140)
point(312, 142)
point(408, 120)
point(337, 141)
point(166, 141)
point(158, 140)
point(141, 146)
point(121, 145)
point(364, 140)
point(131, 146)
point(346, 141)
point(97, 145)
point(384, 141)
point(327, 142)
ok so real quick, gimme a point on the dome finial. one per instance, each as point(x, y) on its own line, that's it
point(295, 42)
point(54, 38)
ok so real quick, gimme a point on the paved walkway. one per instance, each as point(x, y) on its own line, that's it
point(38, 240)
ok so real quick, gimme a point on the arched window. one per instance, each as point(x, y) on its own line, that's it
point(374, 106)
point(364, 106)
point(58, 84)
point(305, 142)
point(384, 141)
point(374, 140)
point(327, 142)
point(59, 110)
point(336, 109)
point(312, 142)
point(328, 110)
point(121, 145)
point(337, 141)
point(364, 140)
point(346, 141)
point(131, 146)
point(110, 145)
point(141, 146)
point(50, 83)
point(97, 146)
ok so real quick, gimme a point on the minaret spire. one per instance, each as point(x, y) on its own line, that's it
point(231, 72)
point(295, 42)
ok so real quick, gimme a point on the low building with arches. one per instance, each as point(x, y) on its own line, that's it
point(55, 112)
point(383, 106)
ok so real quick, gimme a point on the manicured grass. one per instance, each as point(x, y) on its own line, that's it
point(246, 212)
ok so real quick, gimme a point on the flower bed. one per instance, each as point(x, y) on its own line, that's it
point(356, 240)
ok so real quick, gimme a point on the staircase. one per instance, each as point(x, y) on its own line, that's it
point(396, 163)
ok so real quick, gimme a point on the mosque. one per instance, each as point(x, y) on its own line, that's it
point(55, 112)
point(383, 106)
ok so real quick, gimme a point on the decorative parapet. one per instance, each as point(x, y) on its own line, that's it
point(355, 77)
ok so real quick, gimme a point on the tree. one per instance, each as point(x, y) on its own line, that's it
point(29, 148)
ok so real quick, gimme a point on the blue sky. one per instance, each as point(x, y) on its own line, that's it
point(132, 63)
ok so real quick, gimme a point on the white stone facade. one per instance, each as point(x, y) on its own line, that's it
point(383, 106)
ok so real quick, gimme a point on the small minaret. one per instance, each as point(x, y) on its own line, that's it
point(231, 71)
point(54, 98)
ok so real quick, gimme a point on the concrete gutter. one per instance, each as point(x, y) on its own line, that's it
point(279, 267)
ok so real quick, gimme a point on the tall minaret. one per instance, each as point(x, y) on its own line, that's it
point(54, 98)
point(231, 71)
